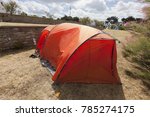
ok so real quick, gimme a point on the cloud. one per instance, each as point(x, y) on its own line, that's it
point(125, 9)
point(95, 9)
point(57, 1)
point(32, 7)
point(98, 5)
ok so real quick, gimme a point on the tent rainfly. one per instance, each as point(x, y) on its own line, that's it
point(77, 53)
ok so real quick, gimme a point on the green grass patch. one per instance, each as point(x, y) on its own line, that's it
point(147, 0)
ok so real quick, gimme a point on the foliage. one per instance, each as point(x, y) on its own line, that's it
point(50, 16)
point(34, 16)
point(147, 0)
point(112, 19)
point(143, 28)
point(76, 19)
point(121, 27)
point(123, 19)
point(69, 18)
point(139, 51)
point(23, 14)
point(138, 19)
point(99, 24)
point(85, 21)
point(129, 19)
point(43, 17)
point(10, 7)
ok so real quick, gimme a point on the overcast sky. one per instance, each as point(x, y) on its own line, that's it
point(95, 9)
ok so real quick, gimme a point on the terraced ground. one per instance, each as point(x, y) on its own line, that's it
point(22, 77)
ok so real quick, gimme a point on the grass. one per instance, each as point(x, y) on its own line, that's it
point(137, 27)
point(138, 48)
point(147, 0)
point(139, 51)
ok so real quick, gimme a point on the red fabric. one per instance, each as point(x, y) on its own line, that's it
point(43, 36)
point(91, 63)
point(41, 39)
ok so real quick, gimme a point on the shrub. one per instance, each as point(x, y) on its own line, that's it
point(139, 51)
point(121, 27)
point(140, 28)
point(99, 24)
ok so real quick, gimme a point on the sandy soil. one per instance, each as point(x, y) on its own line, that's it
point(22, 77)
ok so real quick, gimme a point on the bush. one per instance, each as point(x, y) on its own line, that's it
point(139, 51)
point(121, 27)
point(141, 45)
point(99, 24)
point(140, 28)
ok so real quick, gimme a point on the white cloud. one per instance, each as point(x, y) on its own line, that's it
point(125, 9)
point(95, 9)
point(99, 5)
point(32, 7)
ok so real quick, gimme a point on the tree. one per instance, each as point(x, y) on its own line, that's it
point(34, 16)
point(130, 18)
point(124, 20)
point(23, 14)
point(139, 19)
point(85, 21)
point(99, 24)
point(113, 19)
point(76, 19)
point(64, 18)
point(43, 17)
point(10, 7)
point(50, 16)
point(67, 18)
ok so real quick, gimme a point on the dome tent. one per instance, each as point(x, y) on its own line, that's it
point(77, 53)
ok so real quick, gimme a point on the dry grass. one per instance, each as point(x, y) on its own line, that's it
point(24, 78)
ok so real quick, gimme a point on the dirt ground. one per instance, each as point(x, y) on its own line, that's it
point(22, 77)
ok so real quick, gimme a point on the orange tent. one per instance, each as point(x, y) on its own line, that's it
point(77, 53)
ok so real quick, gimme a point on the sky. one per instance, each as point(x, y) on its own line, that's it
point(95, 9)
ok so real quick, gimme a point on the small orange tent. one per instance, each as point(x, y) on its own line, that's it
point(77, 53)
